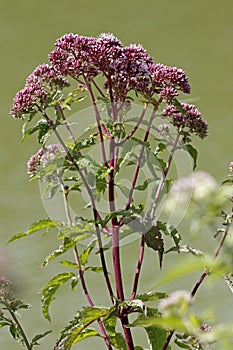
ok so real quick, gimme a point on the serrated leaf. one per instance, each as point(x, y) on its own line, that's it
point(64, 247)
point(39, 336)
point(150, 296)
point(86, 333)
point(49, 290)
point(116, 339)
point(77, 233)
point(45, 224)
point(85, 254)
point(193, 153)
point(72, 333)
point(156, 335)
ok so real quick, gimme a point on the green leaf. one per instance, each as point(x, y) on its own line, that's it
point(191, 264)
point(150, 296)
point(69, 264)
point(154, 240)
point(4, 323)
point(182, 345)
point(39, 336)
point(79, 232)
point(64, 247)
point(193, 153)
point(156, 335)
point(45, 224)
point(43, 131)
point(73, 332)
point(19, 304)
point(94, 268)
point(144, 186)
point(49, 290)
point(87, 333)
point(135, 305)
point(116, 339)
point(85, 254)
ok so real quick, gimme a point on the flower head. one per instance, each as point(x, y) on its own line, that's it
point(187, 117)
point(45, 74)
point(177, 303)
point(165, 76)
point(6, 292)
point(41, 158)
point(26, 100)
point(39, 84)
point(74, 56)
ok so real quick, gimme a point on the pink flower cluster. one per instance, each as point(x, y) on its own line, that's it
point(41, 158)
point(43, 80)
point(187, 117)
point(170, 79)
point(125, 68)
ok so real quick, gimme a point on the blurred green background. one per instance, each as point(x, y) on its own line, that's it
point(194, 35)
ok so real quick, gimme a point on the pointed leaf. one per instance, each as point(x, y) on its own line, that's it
point(72, 333)
point(154, 240)
point(193, 153)
point(49, 290)
point(157, 337)
point(85, 254)
point(150, 296)
point(64, 247)
point(39, 336)
point(45, 224)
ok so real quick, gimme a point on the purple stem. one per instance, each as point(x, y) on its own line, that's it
point(138, 269)
point(87, 295)
point(98, 120)
point(80, 270)
point(164, 176)
point(132, 132)
point(94, 209)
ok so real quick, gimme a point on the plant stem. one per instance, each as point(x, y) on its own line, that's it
point(132, 132)
point(96, 214)
point(98, 120)
point(20, 328)
point(86, 293)
point(138, 269)
point(163, 177)
point(81, 272)
point(60, 110)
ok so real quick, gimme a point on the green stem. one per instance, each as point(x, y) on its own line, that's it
point(20, 328)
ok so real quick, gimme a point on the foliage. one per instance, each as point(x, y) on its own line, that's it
point(124, 157)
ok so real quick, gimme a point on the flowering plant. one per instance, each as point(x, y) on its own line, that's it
point(116, 171)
